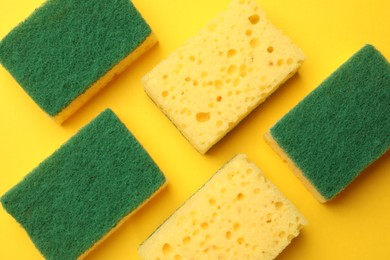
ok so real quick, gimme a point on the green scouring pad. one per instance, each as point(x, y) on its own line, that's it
point(340, 128)
point(67, 50)
point(84, 189)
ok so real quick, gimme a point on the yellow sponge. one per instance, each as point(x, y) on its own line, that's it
point(210, 83)
point(237, 214)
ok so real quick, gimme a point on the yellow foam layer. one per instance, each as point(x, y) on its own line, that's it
point(237, 214)
point(215, 79)
point(298, 173)
point(149, 42)
point(123, 220)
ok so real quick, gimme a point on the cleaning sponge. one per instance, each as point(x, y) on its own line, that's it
point(340, 128)
point(237, 214)
point(210, 83)
point(85, 189)
point(67, 50)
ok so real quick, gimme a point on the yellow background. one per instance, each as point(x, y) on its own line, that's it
point(354, 226)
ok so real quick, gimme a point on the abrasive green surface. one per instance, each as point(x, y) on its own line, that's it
point(67, 45)
point(78, 194)
point(342, 126)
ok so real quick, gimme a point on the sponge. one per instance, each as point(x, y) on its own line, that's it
point(85, 189)
point(216, 78)
point(237, 214)
point(68, 50)
point(339, 128)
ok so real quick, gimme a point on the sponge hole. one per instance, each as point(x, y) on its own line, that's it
point(282, 234)
point(228, 234)
point(166, 248)
point(240, 196)
point(236, 226)
point(202, 117)
point(254, 42)
point(270, 49)
point(268, 218)
point(254, 19)
point(278, 205)
point(204, 225)
point(212, 202)
point(248, 32)
point(280, 62)
point(256, 191)
point(218, 84)
point(240, 240)
point(231, 53)
point(231, 69)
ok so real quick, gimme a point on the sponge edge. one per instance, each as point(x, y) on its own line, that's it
point(149, 42)
point(340, 128)
point(67, 50)
point(85, 190)
point(298, 173)
point(216, 78)
point(237, 214)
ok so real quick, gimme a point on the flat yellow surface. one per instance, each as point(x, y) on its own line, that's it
point(354, 226)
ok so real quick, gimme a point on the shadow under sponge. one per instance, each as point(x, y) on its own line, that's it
point(84, 189)
point(339, 128)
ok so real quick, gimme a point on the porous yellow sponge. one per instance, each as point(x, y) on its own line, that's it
point(237, 214)
point(215, 79)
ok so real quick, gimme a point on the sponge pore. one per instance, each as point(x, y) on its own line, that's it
point(341, 127)
point(66, 46)
point(82, 191)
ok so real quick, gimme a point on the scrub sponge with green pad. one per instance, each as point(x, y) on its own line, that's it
point(84, 190)
point(339, 128)
point(215, 79)
point(68, 50)
point(237, 214)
